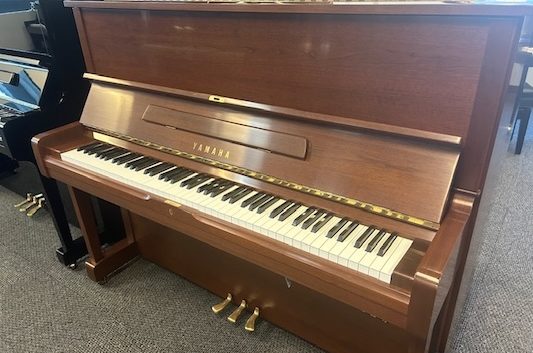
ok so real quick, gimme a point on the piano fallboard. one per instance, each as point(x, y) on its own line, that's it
point(392, 173)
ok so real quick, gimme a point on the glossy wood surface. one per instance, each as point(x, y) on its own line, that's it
point(388, 99)
point(331, 64)
point(440, 74)
point(442, 8)
point(304, 312)
point(387, 302)
point(389, 172)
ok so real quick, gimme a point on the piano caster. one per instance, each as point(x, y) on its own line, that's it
point(250, 323)
point(73, 266)
point(221, 306)
point(237, 312)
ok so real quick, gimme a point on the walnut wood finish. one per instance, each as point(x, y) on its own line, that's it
point(387, 171)
point(434, 73)
point(304, 312)
point(407, 92)
point(391, 303)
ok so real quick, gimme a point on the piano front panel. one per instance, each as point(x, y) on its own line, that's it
point(409, 71)
point(298, 309)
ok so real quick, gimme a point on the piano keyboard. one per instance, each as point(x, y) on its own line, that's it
point(366, 249)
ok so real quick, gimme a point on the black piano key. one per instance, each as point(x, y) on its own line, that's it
point(240, 195)
point(186, 182)
point(127, 158)
point(259, 202)
point(120, 158)
point(315, 217)
point(199, 180)
point(189, 179)
point(251, 199)
point(168, 173)
point(101, 154)
point(158, 169)
point(132, 163)
point(321, 223)
point(94, 147)
point(185, 173)
point(118, 152)
point(289, 211)
point(345, 233)
point(361, 240)
point(221, 188)
point(387, 244)
point(280, 208)
point(303, 216)
point(146, 165)
point(140, 164)
point(94, 150)
point(184, 176)
point(337, 227)
point(85, 147)
point(374, 242)
point(230, 194)
point(266, 205)
point(207, 188)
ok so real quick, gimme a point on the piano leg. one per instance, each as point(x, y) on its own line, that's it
point(71, 250)
point(102, 262)
point(7, 165)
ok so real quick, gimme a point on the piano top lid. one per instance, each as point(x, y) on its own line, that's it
point(450, 8)
point(379, 172)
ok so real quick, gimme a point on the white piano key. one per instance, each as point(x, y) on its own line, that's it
point(343, 253)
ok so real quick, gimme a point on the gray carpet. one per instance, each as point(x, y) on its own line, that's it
point(47, 308)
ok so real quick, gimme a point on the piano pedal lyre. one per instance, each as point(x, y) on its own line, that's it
point(250, 323)
point(237, 312)
point(222, 305)
point(27, 200)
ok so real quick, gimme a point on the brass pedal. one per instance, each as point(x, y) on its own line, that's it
point(37, 207)
point(250, 323)
point(34, 201)
point(237, 312)
point(221, 306)
point(28, 199)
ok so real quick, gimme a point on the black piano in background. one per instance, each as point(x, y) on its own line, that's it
point(41, 89)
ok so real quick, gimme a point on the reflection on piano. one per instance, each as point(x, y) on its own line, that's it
point(320, 166)
point(40, 90)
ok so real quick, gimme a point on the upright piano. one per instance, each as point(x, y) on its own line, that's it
point(320, 166)
point(41, 87)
